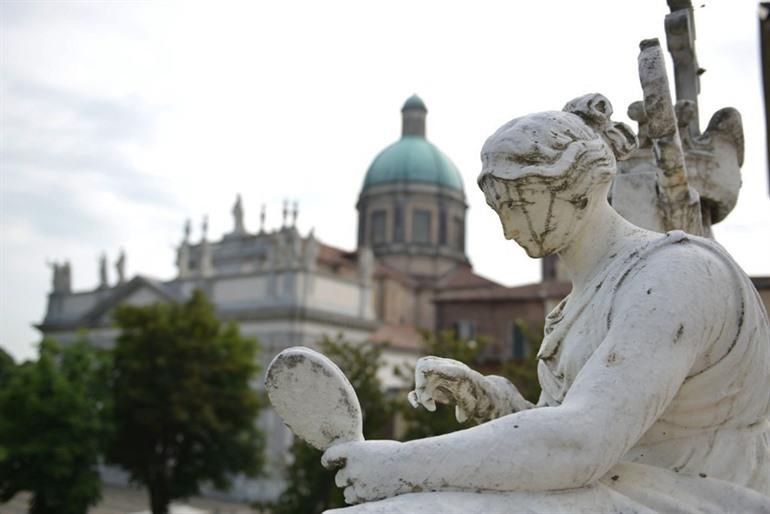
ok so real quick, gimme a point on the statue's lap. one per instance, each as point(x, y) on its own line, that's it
point(628, 488)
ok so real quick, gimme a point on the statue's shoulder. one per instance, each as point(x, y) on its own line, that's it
point(695, 252)
point(682, 264)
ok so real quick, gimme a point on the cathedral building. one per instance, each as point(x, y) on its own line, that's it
point(409, 272)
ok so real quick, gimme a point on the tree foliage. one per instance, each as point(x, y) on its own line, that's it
point(418, 422)
point(52, 425)
point(311, 488)
point(7, 366)
point(523, 373)
point(185, 409)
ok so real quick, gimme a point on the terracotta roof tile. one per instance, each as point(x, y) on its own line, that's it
point(543, 290)
point(464, 277)
point(333, 256)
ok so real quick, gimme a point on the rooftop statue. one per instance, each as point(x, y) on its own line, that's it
point(238, 227)
point(120, 267)
point(655, 370)
point(62, 277)
point(103, 281)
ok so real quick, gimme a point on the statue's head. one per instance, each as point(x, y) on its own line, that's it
point(543, 172)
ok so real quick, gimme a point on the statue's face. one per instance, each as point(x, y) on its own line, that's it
point(534, 214)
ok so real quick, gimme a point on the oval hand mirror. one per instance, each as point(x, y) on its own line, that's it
point(314, 398)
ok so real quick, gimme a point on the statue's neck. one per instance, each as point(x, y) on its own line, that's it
point(602, 233)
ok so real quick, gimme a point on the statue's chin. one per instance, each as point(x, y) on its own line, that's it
point(536, 252)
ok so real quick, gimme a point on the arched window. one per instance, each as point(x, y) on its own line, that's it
point(398, 223)
point(459, 234)
point(520, 346)
point(378, 235)
point(442, 227)
point(421, 229)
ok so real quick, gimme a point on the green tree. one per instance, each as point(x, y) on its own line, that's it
point(7, 366)
point(184, 405)
point(523, 373)
point(311, 488)
point(52, 425)
point(419, 423)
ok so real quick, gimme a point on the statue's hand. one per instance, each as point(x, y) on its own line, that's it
point(475, 396)
point(368, 470)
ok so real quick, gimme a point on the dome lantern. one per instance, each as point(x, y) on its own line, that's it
point(413, 158)
point(413, 117)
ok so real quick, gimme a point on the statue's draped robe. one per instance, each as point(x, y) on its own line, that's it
point(709, 452)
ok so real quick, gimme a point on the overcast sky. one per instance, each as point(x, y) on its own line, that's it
point(119, 120)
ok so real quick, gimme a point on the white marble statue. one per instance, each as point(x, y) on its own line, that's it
point(655, 370)
point(238, 227)
point(183, 252)
point(103, 280)
point(206, 264)
point(679, 177)
point(310, 251)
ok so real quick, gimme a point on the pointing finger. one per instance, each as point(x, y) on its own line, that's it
point(412, 397)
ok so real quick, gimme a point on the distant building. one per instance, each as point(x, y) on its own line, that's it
point(408, 273)
point(279, 286)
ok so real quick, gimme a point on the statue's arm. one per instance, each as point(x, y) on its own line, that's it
point(510, 399)
point(620, 392)
point(658, 326)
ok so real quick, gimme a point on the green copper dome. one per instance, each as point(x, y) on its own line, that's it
point(413, 159)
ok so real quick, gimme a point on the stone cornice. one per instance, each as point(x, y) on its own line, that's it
point(411, 188)
point(290, 313)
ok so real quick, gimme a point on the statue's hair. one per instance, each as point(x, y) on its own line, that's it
point(595, 110)
point(556, 144)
